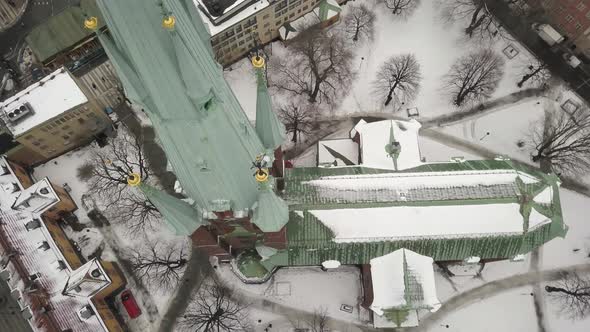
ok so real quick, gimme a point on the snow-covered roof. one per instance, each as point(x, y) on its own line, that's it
point(23, 230)
point(242, 14)
point(342, 151)
point(408, 222)
point(374, 136)
point(53, 95)
point(327, 9)
point(403, 279)
point(406, 181)
point(545, 196)
point(290, 30)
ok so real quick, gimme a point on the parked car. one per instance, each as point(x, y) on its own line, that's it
point(133, 310)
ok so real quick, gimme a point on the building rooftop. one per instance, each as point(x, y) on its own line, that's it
point(62, 31)
point(51, 96)
point(41, 271)
point(238, 11)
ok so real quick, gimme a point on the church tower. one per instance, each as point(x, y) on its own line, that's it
point(161, 51)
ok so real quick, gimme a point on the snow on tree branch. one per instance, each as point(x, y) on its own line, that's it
point(572, 293)
point(359, 23)
point(474, 77)
point(319, 66)
point(398, 80)
point(562, 140)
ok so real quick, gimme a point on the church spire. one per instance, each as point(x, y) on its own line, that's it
point(167, 68)
point(180, 216)
point(268, 127)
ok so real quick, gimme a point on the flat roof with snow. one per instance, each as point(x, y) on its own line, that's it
point(53, 95)
point(239, 16)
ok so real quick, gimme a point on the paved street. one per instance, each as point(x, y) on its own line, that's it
point(37, 11)
point(9, 11)
point(10, 316)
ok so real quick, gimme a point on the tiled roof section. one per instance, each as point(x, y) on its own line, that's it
point(310, 242)
point(344, 185)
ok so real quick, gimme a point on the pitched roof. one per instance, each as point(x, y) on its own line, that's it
point(403, 279)
point(354, 214)
point(62, 31)
point(175, 78)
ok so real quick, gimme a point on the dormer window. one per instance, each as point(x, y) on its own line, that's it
point(85, 312)
point(5, 170)
point(43, 246)
point(96, 273)
point(34, 276)
point(15, 187)
point(33, 224)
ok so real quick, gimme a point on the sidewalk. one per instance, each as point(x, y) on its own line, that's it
point(10, 12)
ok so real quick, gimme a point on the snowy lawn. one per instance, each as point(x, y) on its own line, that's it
point(501, 131)
point(435, 43)
point(307, 289)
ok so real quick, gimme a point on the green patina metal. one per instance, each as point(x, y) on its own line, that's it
point(182, 217)
point(62, 31)
point(393, 148)
point(271, 213)
point(171, 73)
point(398, 317)
point(324, 9)
point(310, 242)
point(268, 127)
point(250, 266)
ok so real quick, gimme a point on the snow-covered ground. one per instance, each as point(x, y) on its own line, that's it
point(307, 289)
point(63, 170)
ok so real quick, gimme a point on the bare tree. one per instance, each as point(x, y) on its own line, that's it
point(572, 292)
point(402, 8)
point(536, 74)
point(359, 23)
point(298, 119)
point(398, 79)
point(159, 264)
point(481, 21)
point(319, 321)
point(319, 66)
point(474, 77)
point(135, 211)
point(562, 140)
point(107, 172)
point(215, 308)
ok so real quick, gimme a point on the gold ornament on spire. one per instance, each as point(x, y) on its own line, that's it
point(133, 179)
point(258, 61)
point(169, 22)
point(261, 175)
point(91, 23)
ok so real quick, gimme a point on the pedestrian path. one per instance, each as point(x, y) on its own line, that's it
point(10, 11)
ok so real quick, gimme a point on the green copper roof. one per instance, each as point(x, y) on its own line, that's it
point(174, 78)
point(325, 7)
point(310, 242)
point(270, 212)
point(182, 218)
point(62, 31)
point(268, 127)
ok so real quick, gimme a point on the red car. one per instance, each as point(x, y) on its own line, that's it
point(130, 304)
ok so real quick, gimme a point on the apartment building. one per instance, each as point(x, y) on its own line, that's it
point(62, 40)
point(571, 18)
point(51, 287)
point(51, 117)
point(237, 27)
